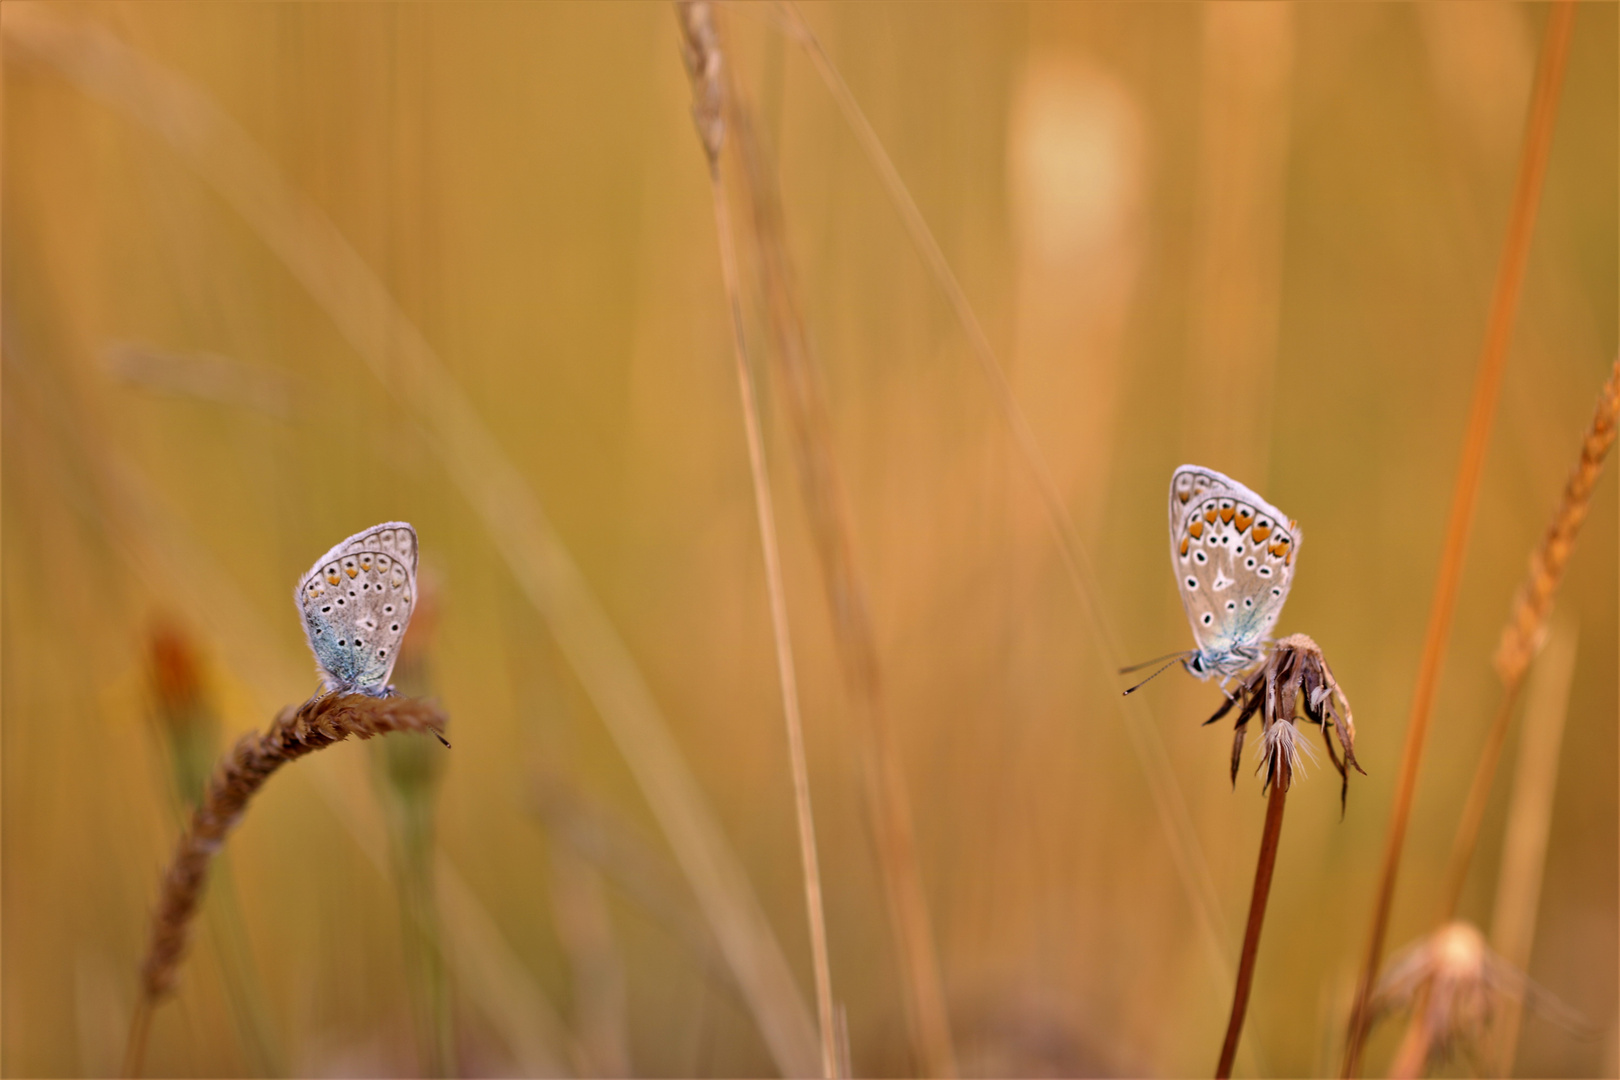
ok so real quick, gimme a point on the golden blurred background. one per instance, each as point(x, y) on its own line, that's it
point(274, 272)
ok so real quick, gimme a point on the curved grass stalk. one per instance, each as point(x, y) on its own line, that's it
point(238, 776)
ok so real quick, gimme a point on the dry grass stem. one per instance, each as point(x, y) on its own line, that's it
point(240, 773)
point(827, 509)
point(321, 259)
point(1294, 676)
point(705, 65)
point(1498, 336)
point(1282, 777)
point(1169, 803)
point(1529, 821)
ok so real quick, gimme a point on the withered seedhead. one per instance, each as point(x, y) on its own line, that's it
point(1294, 675)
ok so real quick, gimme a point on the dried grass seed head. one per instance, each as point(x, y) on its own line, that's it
point(1294, 676)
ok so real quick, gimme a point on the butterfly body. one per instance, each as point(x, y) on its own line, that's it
point(356, 602)
point(1233, 554)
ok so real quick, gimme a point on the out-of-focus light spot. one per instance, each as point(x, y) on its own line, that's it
point(1074, 158)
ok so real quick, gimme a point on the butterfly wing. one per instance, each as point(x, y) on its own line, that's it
point(356, 602)
point(1233, 556)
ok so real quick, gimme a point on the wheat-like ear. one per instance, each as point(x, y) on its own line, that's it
point(237, 777)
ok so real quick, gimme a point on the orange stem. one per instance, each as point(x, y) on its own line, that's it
point(1257, 914)
point(1498, 336)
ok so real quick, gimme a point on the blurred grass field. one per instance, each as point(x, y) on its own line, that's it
point(1258, 238)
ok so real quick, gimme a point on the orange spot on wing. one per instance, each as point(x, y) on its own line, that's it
point(1183, 495)
point(1209, 515)
point(1184, 542)
point(1261, 532)
point(1243, 519)
point(1196, 528)
point(351, 571)
point(1226, 514)
point(333, 578)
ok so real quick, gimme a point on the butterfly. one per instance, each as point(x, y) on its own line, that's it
point(356, 602)
point(1233, 556)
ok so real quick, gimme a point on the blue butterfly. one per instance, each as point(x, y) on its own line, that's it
point(356, 602)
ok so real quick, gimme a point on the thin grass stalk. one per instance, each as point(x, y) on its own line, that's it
point(1498, 336)
point(883, 777)
point(1270, 834)
point(1529, 820)
point(1169, 803)
point(237, 777)
point(705, 65)
point(404, 363)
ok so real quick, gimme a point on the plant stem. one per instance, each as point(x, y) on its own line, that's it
point(1263, 871)
point(705, 67)
point(784, 647)
point(1488, 381)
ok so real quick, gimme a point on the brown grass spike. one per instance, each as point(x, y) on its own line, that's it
point(1498, 336)
point(238, 776)
point(1526, 629)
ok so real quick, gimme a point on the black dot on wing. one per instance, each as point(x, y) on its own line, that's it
point(1231, 605)
point(1208, 618)
point(1276, 592)
point(395, 628)
point(1249, 563)
point(1248, 603)
point(1192, 583)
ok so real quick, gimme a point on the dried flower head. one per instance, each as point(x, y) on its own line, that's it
point(1456, 986)
point(1294, 675)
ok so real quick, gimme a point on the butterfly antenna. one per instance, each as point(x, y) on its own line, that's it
point(1155, 660)
point(1174, 659)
